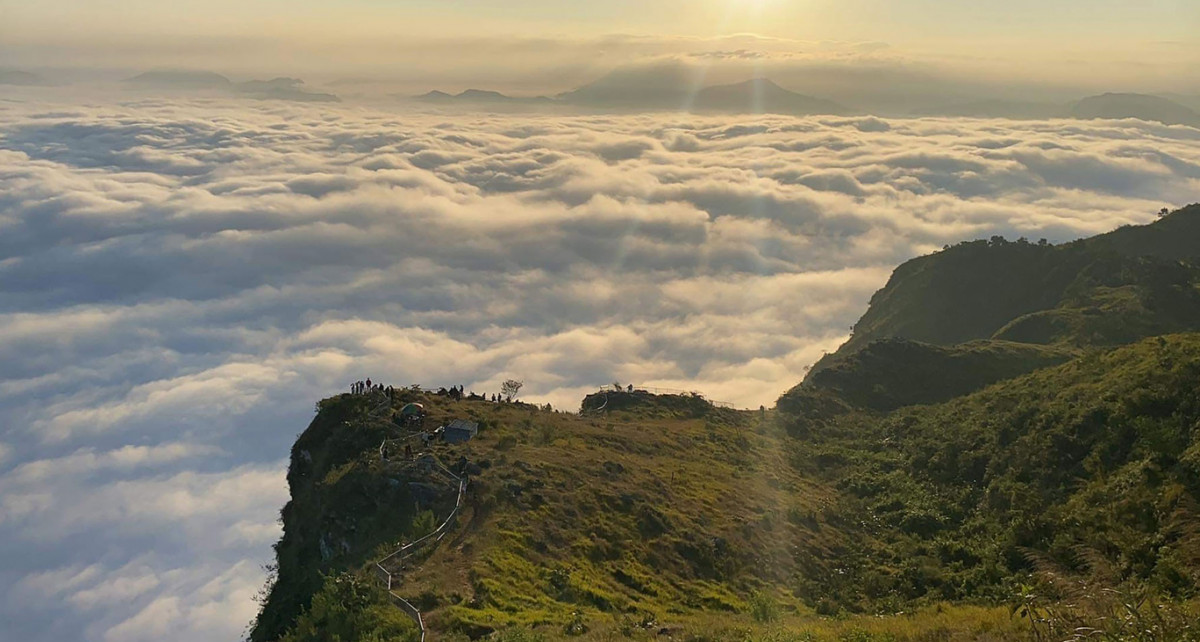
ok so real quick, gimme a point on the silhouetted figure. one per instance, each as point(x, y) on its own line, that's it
point(368, 383)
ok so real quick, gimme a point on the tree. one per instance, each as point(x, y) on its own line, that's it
point(1163, 212)
point(510, 388)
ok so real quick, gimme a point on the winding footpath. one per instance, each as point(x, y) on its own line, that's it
point(412, 549)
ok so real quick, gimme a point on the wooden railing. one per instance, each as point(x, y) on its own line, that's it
point(413, 548)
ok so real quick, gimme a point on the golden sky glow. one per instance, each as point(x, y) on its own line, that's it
point(1135, 44)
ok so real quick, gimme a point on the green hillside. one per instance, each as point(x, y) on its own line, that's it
point(1106, 291)
point(1007, 449)
point(1173, 237)
point(1101, 454)
point(891, 373)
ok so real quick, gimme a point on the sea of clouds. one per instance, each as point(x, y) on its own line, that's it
point(182, 279)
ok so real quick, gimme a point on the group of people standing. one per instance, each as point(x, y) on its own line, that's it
point(454, 392)
point(458, 392)
point(366, 387)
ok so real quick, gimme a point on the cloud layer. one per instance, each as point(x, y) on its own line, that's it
point(182, 280)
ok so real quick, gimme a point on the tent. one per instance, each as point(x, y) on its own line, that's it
point(412, 410)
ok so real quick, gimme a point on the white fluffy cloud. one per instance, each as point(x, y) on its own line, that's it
point(184, 279)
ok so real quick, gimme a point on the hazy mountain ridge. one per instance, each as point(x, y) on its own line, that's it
point(758, 95)
point(280, 88)
point(481, 96)
point(1114, 106)
point(21, 78)
point(1141, 106)
point(674, 89)
point(761, 95)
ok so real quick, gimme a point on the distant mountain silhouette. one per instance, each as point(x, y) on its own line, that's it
point(654, 87)
point(282, 89)
point(480, 96)
point(622, 91)
point(673, 88)
point(188, 80)
point(1192, 102)
point(760, 95)
point(436, 96)
point(18, 77)
point(1109, 106)
point(1014, 109)
point(181, 79)
point(1140, 106)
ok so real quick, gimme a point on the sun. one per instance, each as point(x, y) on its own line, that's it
point(740, 10)
point(754, 5)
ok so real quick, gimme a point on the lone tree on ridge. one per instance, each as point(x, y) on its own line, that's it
point(511, 388)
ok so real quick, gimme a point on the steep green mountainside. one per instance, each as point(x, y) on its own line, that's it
point(1104, 291)
point(891, 373)
point(1172, 237)
point(1098, 457)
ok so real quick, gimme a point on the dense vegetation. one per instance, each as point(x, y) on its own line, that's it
point(1097, 459)
point(1008, 448)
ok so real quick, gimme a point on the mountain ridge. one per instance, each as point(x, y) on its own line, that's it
point(928, 477)
point(755, 95)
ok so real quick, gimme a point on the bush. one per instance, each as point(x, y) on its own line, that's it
point(349, 607)
point(423, 524)
point(763, 607)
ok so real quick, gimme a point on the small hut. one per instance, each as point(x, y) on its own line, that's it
point(459, 430)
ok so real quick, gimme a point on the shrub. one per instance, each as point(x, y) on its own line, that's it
point(763, 607)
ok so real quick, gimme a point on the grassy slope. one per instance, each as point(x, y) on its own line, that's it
point(624, 513)
point(888, 374)
point(667, 512)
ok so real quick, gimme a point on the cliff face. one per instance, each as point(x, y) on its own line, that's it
point(344, 507)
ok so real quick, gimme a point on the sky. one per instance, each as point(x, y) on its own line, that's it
point(550, 46)
point(184, 274)
point(905, 21)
